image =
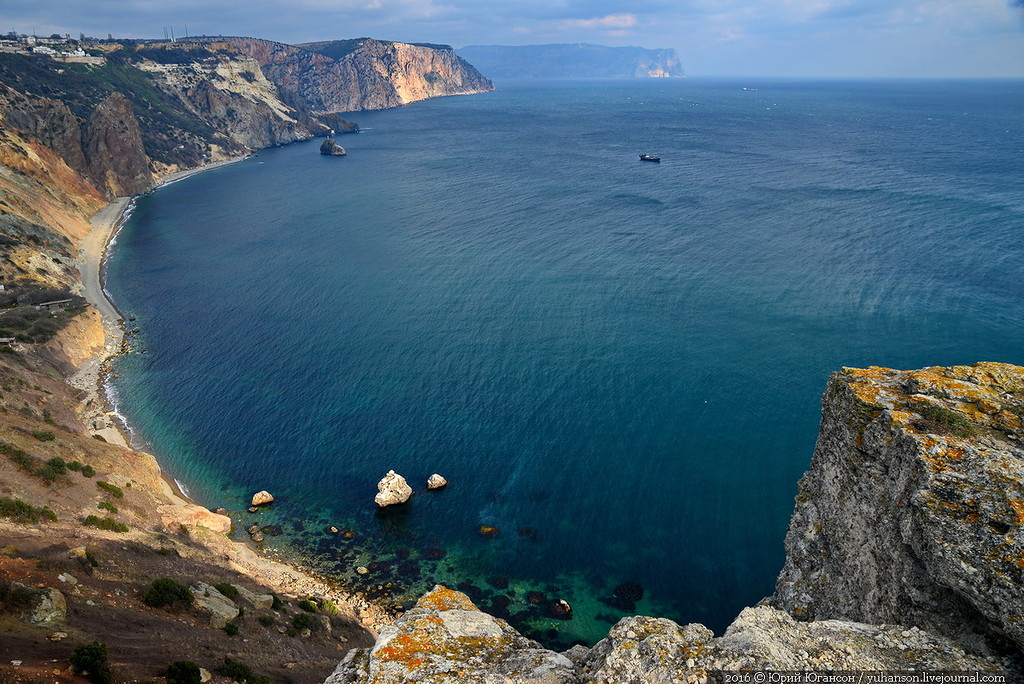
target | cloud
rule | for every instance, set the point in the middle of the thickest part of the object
(610, 21)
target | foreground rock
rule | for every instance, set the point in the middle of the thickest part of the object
(444, 638)
(913, 509)
(331, 148)
(222, 609)
(392, 490)
(42, 607)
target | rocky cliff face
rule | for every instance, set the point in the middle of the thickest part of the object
(913, 509)
(905, 552)
(112, 142)
(367, 73)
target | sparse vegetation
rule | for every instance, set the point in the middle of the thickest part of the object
(108, 524)
(240, 672)
(231, 628)
(74, 466)
(328, 606)
(22, 512)
(183, 672)
(91, 660)
(303, 621)
(107, 506)
(276, 603)
(307, 606)
(111, 489)
(167, 593)
(266, 620)
(227, 590)
(44, 435)
(87, 471)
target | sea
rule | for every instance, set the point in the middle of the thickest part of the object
(616, 364)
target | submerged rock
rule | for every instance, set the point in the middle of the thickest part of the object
(392, 490)
(435, 481)
(488, 531)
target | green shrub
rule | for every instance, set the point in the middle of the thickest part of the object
(91, 559)
(276, 603)
(44, 435)
(231, 628)
(87, 471)
(183, 672)
(48, 417)
(91, 660)
(21, 512)
(165, 592)
(266, 620)
(227, 590)
(106, 505)
(113, 490)
(329, 607)
(74, 466)
(307, 606)
(53, 469)
(303, 621)
(108, 524)
(240, 672)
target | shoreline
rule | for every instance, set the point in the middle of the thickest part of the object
(100, 416)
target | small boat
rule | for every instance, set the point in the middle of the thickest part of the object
(650, 157)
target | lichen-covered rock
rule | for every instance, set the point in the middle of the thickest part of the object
(913, 509)
(46, 606)
(392, 490)
(445, 638)
(222, 609)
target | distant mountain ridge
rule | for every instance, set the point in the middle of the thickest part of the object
(573, 60)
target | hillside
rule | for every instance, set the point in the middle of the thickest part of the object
(576, 60)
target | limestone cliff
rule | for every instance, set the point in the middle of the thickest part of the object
(347, 76)
(905, 552)
(913, 509)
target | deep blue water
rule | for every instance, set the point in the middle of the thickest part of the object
(617, 363)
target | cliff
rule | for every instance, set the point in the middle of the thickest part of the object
(348, 76)
(904, 553)
(577, 60)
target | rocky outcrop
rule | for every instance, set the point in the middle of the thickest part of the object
(575, 60)
(367, 74)
(913, 509)
(331, 148)
(222, 609)
(392, 490)
(112, 142)
(445, 638)
(172, 517)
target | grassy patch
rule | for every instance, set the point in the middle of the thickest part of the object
(44, 435)
(940, 420)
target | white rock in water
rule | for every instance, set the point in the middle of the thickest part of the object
(435, 481)
(260, 498)
(393, 489)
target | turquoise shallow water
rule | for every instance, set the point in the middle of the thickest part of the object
(616, 363)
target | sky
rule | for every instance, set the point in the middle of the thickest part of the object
(770, 38)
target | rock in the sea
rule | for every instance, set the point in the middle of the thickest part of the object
(331, 148)
(560, 609)
(435, 481)
(222, 609)
(262, 498)
(392, 490)
(488, 531)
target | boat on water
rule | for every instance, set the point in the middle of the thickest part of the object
(650, 157)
